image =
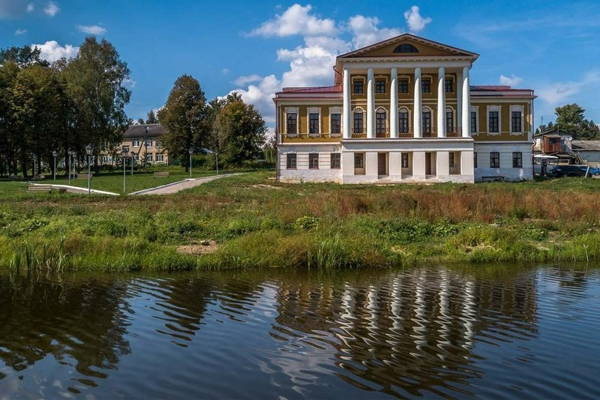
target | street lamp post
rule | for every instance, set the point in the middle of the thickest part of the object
(124, 157)
(70, 163)
(54, 154)
(88, 150)
(191, 152)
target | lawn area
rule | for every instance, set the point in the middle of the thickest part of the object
(250, 221)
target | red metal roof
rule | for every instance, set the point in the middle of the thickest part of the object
(316, 89)
(496, 88)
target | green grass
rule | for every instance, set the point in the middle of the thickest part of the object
(260, 223)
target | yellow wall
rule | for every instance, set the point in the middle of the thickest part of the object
(505, 121)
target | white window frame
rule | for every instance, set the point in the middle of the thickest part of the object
(487, 121)
(313, 110)
(520, 108)
(336, 110)
(135, 142)
(362, 110)
(387, 120)
(409, 119)
(477, 128)
(291, 110)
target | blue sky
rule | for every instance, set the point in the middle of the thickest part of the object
(258, 47)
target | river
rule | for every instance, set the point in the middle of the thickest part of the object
(486, 332)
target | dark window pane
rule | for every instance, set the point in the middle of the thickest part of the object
(336, 160)
(292, 123)
(380, 122)
(427, 122)
(473, 122)
(358, 87)
(313, 119)
(291, 161)
(475, 159)
(494, 123)
(517, 159)
(494, 159)
(449, 85)
(406, 48)
(358, 122)
(336, 123)
(403, 121)
(403, 85)
(449, 121)
(313, 160)
(379, 86)
(516, 121)
(426, 85)
(404, 160)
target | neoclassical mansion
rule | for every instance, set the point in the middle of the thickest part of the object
(404, 110)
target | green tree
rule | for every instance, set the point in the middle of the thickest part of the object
(151, 119)
(241, 129)
(570, 118)
(22, 56)
(185, 118)
(95, 82)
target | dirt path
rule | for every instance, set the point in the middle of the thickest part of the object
(181, 185)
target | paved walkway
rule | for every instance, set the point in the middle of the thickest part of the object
(175, 187)
(74, 189)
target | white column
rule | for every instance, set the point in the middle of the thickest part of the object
(370, 103)
(466, 102)
(459, 102)
(441, 106)
(346, 109)
(394, 103)
(417, 105)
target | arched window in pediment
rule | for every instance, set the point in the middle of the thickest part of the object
(406, 48)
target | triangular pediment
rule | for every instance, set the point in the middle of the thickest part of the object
(407, 45)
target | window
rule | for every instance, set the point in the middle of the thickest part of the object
(494, 121)
(451, 162)
(291, 161)
(292, 123)
(149, 157)
(404, 160)
(403, 85)
(427, 122)
(403, 120)
(517, 159)
(336, 123)
(474, 159)
(494, 159)
(449, 121)
(516, 121)
(148, 143)
(358, 121)
(379, 86)
(380, 120)
(473, 121)
(449, 85)
(313, 123)
(336, 161)
(406, 48)
(125, 149)
(359, 163)
(426, 85)
(313, 160)
(135, 142)
(358, 86)
(159, 157)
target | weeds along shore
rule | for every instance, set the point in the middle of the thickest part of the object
(254, 222)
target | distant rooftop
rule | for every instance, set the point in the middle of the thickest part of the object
(154, 130)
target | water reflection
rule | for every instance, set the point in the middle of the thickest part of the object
(423, 331)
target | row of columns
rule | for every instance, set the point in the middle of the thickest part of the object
(463, 103)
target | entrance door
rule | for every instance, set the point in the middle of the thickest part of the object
(382, 165)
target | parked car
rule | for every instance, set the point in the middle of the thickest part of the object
(573, 170)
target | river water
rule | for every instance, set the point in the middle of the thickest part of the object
(486, 332)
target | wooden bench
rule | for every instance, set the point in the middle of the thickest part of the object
(161, 173)
(492, 179)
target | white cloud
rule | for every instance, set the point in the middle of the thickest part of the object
(415, 22)
(51, 51)
(225, 71)
(20, 32)
(246, 79)
(260, 95)
(296, 20)
(365, 31)
(512, 80)
(92, 29)
(30, 7)
(559, 92)
(129, 83)
(51, 9)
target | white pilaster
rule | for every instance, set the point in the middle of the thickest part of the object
(394, 103)
(417, 105)
(466, 102)
(370, 103)
(459, 102)
(346, 109)
(441, 103)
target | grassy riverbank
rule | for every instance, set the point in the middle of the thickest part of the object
(258, 223)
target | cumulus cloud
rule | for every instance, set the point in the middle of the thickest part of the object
(296, 20)
(30, 7)
(512, 80)
(365, 31)
(415, 22)
(92, 29)
(559, 92)
(51, 9)
(20, 32)
(51, 51)
(311, 63)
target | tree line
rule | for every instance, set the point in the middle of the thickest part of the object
(571, 119)
(63, 107)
